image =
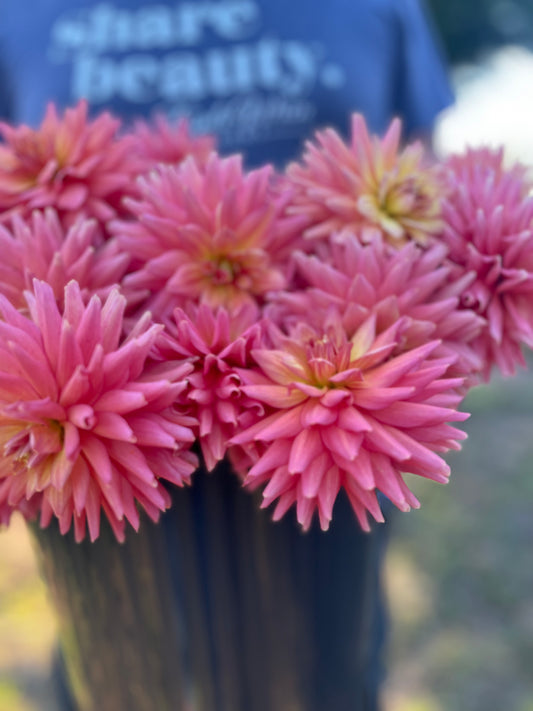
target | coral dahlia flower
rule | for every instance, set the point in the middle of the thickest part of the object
(41, 247)
(489, 232)
(75, 165)
(346, 414)
(367, 186)
(216, 344)
(87, 424)
(214, 235)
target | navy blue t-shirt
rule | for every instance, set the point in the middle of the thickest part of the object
(260, 74)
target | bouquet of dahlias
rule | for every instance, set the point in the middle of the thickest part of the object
(162, 306)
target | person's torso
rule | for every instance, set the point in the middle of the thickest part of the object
(260, 75)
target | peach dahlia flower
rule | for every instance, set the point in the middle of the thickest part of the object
(87, 423)
(41, 247)
(346, 414)
(215, 235)
(216, 343)
(367, 185)
(78, 166)
(489, 233)
(164, 142)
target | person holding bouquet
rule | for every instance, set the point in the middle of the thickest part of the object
(261, 77)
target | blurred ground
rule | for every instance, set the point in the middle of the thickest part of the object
(27, 627)
(460, 570)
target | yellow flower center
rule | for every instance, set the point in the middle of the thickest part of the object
(223, 271)
(30, 445)
(325, 359)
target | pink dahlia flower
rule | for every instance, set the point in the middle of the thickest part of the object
(41, 247)
(216, 344)
(362, 279)
(214, 235)
(77, 166)
(489, 232)
(346, 414)
(162, 142)
(367, 186)
(87, 424)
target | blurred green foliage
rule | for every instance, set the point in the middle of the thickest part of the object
(12, 699)
(471, 27)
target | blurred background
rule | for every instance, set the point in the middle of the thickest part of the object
(460, 571)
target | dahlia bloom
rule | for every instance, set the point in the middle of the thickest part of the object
(489, 232)
(346, 413)
(41, 247)
(87, 424)
(214, 235)
(216, 344)
(162, 142)
(367, 186)
(361, 279)
(77, 166)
